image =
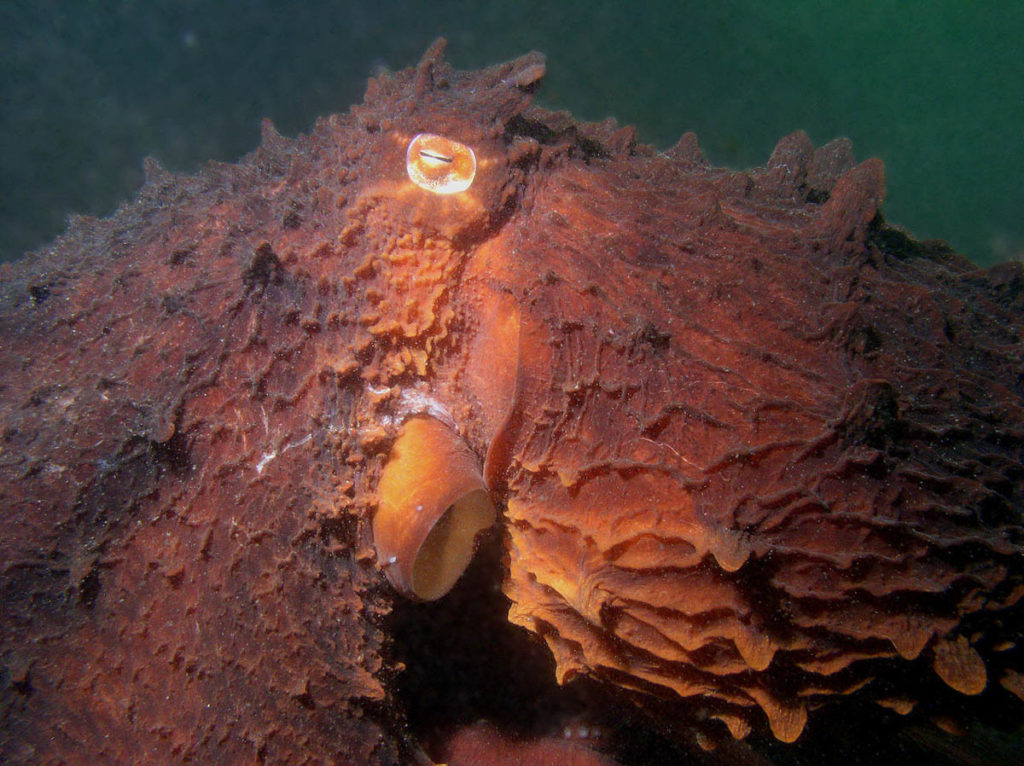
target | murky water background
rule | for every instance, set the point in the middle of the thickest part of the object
(936, 88)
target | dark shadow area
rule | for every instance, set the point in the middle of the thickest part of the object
(465, 663)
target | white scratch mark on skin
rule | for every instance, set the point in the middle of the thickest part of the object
(268, 456)
(304, 440)
(670, 448)
(416, 403)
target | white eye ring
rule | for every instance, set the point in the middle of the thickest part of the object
(440, 165)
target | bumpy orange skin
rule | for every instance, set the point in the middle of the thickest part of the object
(753, 447)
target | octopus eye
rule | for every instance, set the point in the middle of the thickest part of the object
(440, 165)
(433, 503)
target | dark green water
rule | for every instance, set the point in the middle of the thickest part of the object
(936, 89)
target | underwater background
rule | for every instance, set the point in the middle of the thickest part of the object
(936, 89)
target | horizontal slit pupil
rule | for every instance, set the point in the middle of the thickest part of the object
(435, 156)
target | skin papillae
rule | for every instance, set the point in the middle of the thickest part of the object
(752, 448)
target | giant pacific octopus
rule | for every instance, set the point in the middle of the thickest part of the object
(748, 447)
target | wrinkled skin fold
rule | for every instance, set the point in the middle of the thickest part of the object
(751, 447)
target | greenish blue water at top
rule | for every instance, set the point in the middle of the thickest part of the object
(936, 89)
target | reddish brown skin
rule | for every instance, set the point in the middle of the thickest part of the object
(774, 428)
(198, 395)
